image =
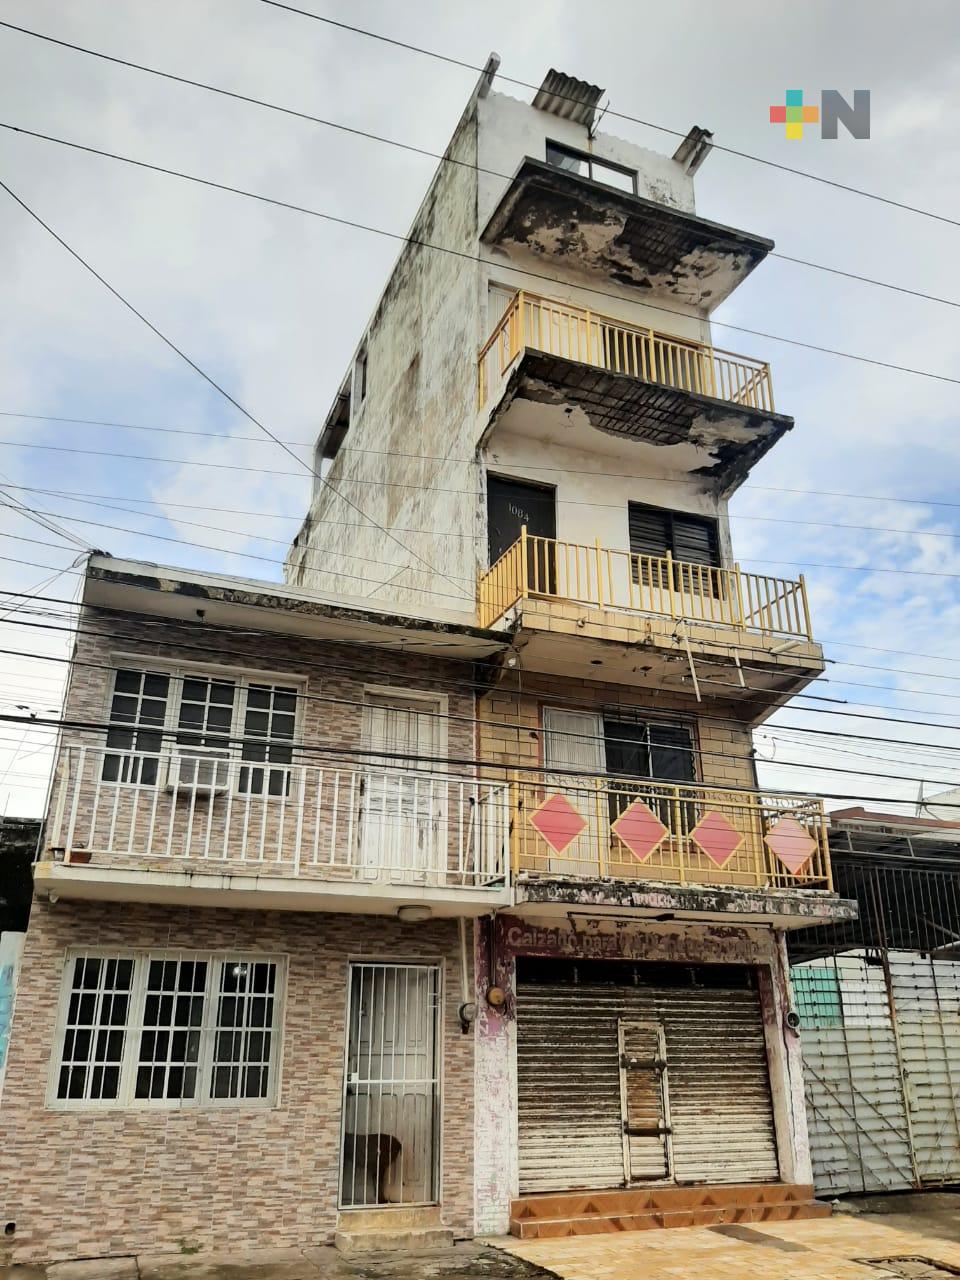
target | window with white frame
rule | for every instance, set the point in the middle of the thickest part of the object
(190, 1029)
(187, 728)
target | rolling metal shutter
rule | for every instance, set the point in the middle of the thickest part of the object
(569, 1087)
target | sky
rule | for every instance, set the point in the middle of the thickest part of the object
(271, 302)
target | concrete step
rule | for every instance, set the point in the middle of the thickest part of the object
(401, 1239)
(592, 1213)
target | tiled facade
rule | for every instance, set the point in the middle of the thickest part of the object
(511, 722)
(150, 1178)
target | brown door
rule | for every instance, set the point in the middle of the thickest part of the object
(644, 1101)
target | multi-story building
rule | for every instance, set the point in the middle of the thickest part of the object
(431, 901)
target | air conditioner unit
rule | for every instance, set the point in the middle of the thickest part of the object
(204, 769)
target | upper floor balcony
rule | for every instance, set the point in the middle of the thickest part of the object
(196, 826)
(631, 382)
(185, 827)
(602, 613)
(607, 844)
(570, 216)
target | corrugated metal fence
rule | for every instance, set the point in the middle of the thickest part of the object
(881, 1030)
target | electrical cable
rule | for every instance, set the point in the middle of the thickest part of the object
(501, 266)
(619, 115)
(213, 383)
(677, 133)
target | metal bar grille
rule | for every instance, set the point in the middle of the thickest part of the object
(391, 1086)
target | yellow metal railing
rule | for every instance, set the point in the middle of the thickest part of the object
(606, 579)
(695, 834)
(574, 333)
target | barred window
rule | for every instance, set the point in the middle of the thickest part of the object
(188, 1029)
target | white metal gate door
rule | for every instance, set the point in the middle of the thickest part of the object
(644, 1101)
(926, 1000)
(857, 1114)
(403, 808)
(391, 1086)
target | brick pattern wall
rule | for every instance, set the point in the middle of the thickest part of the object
(298, 836)
(82, 1183)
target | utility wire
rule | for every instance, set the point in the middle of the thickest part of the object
(619, 115)
(112, 505)
(736, 688)
(501, 266)
(794, 564)
(429, 762)
(447, 459)
(441, 157)
(216, 385)
(327, 666)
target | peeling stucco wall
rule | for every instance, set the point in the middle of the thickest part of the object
(421, 401)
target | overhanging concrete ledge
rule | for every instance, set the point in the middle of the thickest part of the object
(56, 880)
(780, 908)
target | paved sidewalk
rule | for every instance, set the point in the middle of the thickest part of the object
(468, 1261)
(844, 1247)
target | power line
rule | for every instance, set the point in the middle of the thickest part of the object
(214, 384)
(212, 435)
(501, 266)
(220, 651)
(441, 157)
(421, 645)
(794, 564)
(619, 115)
(497, 769)
(249, 555)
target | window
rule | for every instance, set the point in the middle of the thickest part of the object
(139, 698)
(190, 1029)
(360, 379)
(690, 540)
(271, 712)
(193, 721)
(588, 166)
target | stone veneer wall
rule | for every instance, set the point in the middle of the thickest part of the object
(101, 1182)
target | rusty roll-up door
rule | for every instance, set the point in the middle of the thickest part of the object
(720, 1106)
(569, 1095)
(568, 1078)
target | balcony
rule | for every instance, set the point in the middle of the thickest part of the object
(177, 827)
(632, 382)
(672, 848)
(600, 614)
(600, 578)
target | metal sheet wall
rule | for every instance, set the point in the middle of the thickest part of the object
(570, 1127)
(881, 1070)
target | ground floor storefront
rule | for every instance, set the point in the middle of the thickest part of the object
(181, 1079)
(633, 1056)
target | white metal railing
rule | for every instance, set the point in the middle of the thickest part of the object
(369, 823)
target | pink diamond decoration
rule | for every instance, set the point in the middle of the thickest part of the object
(718, 839)
(791, 842)
(558, 821)
(640, 829)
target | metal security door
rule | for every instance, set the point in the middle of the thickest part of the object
(402, 827)
(391, 1086)
(644, 1101)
